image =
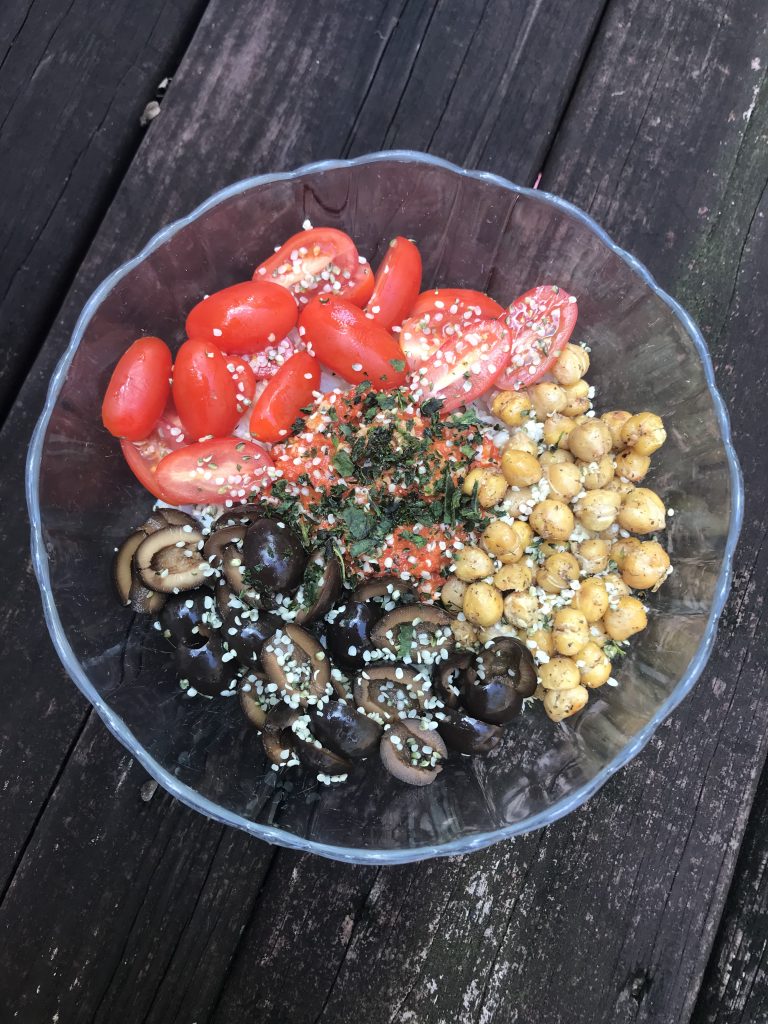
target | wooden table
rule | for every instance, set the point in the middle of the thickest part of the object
(650, 904)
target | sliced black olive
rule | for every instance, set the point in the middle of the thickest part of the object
(506, 675)
(217, 543)
(344, 730)
(175, 517)
(155, 521)
(169, 560)
(204, 668)
(391, 588)
(403, 754)
(390, 691)
(247, 630)
(415, 629)
(242, 516)
(320, 587)
(253, 700)
(348, 632)
(228, 599)
(277, 737)
(297, 664)
(273, 557)
(451, 675)
(315, 756)
(186, 620)
(144, 600)
(466, 734)
(122, 565)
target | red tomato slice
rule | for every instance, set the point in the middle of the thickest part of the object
(215, 471)
(454, 303)
(266, 363)
(280, 403)
(466, 366)
(440, 315)
(311, 262)
(541, 322)
(245, 317)
(348, 342)
(204, 392)
(244, 380)
(144, 456)
(138, 390)
(359, 287)
(398, 280)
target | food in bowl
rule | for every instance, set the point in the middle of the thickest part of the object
(388, 520)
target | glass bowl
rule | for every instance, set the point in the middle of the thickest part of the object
(475, 230)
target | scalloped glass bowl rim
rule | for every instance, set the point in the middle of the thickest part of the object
(275, 835)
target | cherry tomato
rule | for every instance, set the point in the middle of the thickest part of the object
(466, 366)
(398, 280)
(541, 322)
(215, 471)
(279, 405)
(138, 389)
(313, 261)
(144, 456)
(359, 287)
(346, 341)
(204, 392)
(440, 314)
(266, 363)
(245, 317)
(245, 381)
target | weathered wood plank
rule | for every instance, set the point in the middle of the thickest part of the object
(74, 80)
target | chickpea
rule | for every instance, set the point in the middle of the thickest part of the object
(572, 363)
(626, 619)
(564, 480)
(559, 674)
(645, 566)
(520, 609)
(632, 465)
(491, 486)
(511, 407)
(620, 486)
(546, 398)
(560, 704)
(592, 555)
(483, 604)
(521, 442)
(577, 399)
(452, 594)
(598, 509)
(552, 520)
(590, 441)
(570, 632)
(520, 469)
(615, 420)
(543, 640)
(515, 576)
(502, 540)
(598, 474)
(642, 511)
(621, 548)
(524, 532)
(473, 564)
(594, 665)
(597, 634)
(644, 432)
(464, 633)
(557, 572)
(615, 588)
(518, 501)
(555, 457)
(557, 430)
(591, 599)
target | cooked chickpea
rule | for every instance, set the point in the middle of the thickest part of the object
(511, 407)
(590, 441)
(502, 540)
(626, 619)
(577, 398)
(557, 430)
(592, 555)
(464, 633)
(572, 363)
(615, 587)
(520, 609)
(557, 572)
(621, 548)
(591, 599)
(632, 465)
(546, 398)
(645, 566)
(555, 457)
(597, 634)
(560, 704)
(518, 501)
(520, 469)
(473, 564)
(615, 420)
(515, 576)
(559, 674)
(483, 604)
(521, 442)
(620, 486)
(552, 520)
(598, 509)
(564, 480)
(644, 432)
(570, 631)
(543, 640)
(524, 532)
(594, 665)
(491, 486)
(452, 594)
(597, 474)
(642, 511)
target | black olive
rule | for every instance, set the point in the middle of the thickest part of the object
(451, 676)
(252, 700)
(506, 675)
(297, 664)
(244, 515)
(320, 587)
(169, 560)
(273, 557)
(252, 629)
(403, 754)
(466, 734)
(204, 669)
(345, 730)
(419, 628)
(277, 737)
(386, 588)
(320, 758)
(186, 620)
(348, 635)
(389, 691)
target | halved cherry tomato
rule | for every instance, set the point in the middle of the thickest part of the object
(465, 367)
(398, 280)
(266, 363)
(314, 261)
(359, 287)
(204, 392)
(245, 381)
(454, 303)
(280, 403)
(215, 471)
(541, 322)
(138, 389)
(346, 341)
(144, 456)
(245, 317)
(439, 315)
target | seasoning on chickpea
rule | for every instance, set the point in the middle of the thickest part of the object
(632, 466)
(597, 474)
(622, 547)
(557, 572)
(592, 555)
(615, 420)
(516, 576)
(522, 442)
(590, 441)
(483, 604)
(511, 407)
(518, 501)
(570, 631)
(642, 511)
(646, 566)
(552, 458)
(626, 619)
(591, 599)
(594, 665)
(491, 486)
(564, 480)
(598, 509)
(524, 532)
(520, 609)
(464, 633)
(571, 365)
(546, 398)
(560, 704)
(452, 594)
(559, 673)
(520, 469)
(541, 640)
(557, 430)
(644, 432)
(503, 541)
(473, 564)
(552, 520)
(577, 398)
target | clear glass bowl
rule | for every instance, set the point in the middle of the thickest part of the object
(475, 230)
